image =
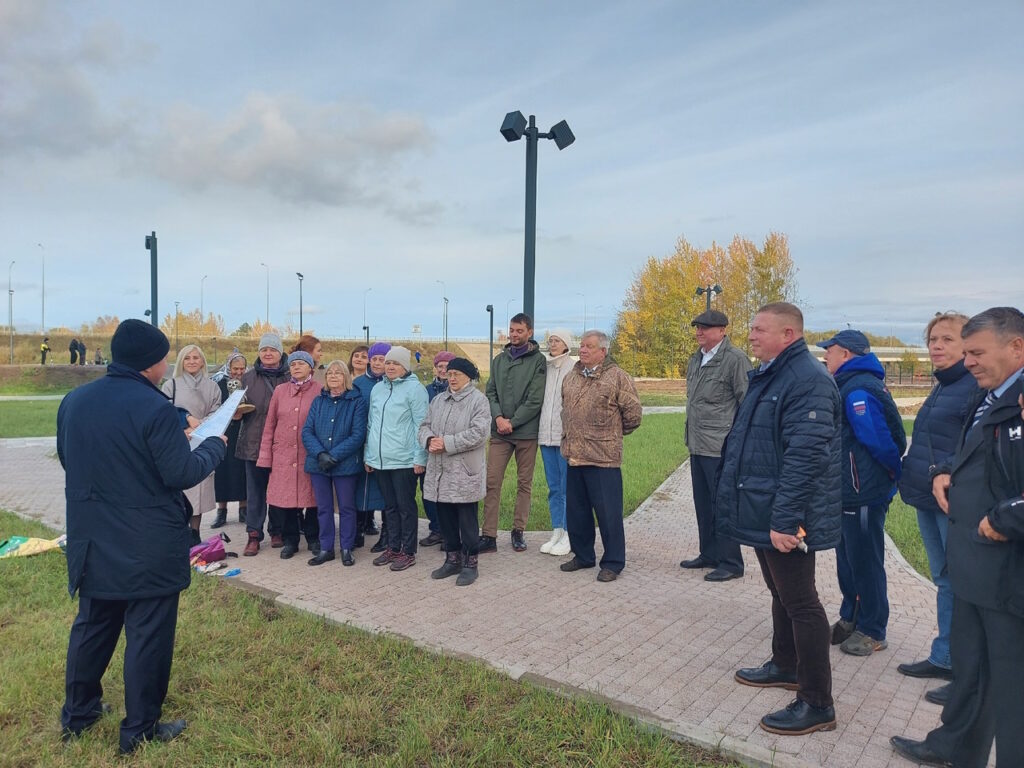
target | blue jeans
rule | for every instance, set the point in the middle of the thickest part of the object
(934, 526)
(860, 565)
(555, 467)
(430, 509)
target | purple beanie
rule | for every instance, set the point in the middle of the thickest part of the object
(443, 356)
(379, 348)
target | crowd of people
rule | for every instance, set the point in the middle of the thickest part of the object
(790, 457)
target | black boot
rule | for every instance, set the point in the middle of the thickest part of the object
(369, 527)
(382, 542)
(452, 565)
(468, 574)
(194, 537)
(221, 519)
(241, 514)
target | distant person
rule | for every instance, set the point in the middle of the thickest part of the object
(455, 436)
(937, 429)
(418, 356)
(99, 356)
(515, 390)
(717, 376)
(780, 489)
(229, 479)
(44, 348)
(190, 388)
(398, 405)
(283, 454)
(434, 388)
(358, 360)
(980, 490)
(549, 437)
(126, 461)
(873, 441)
(259, 382)
(334, 435)
(82, 352)
(599, 406)
(73, 350)
(368, 494)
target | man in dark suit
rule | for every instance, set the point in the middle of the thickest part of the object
(981, 491)
(126, 461)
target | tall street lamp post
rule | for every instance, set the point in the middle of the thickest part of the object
(584, 309)
(299, 275)
(490, 352)
(266, 317)
(10, 308)
(177, 347)
(444, 312)
(202, 287)
(513, 128)
(507, 315)
(42, 312)
(151, 247)
(708, 289)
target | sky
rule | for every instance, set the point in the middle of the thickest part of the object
(358, 144)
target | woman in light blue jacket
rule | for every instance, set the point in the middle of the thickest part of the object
(398, 405)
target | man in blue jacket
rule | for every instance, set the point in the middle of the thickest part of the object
(873, 445)
(126, 461)
(779, 492)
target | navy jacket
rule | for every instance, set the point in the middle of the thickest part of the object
(780, 465)
(937, 431)
(336, 425)
(435, 388)
(126, 461)
(988, 480)
(873, 437)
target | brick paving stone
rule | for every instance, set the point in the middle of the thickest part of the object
(659, 639)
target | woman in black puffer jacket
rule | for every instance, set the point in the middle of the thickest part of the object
(936, 434)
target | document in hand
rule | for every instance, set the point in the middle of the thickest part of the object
(217, 423)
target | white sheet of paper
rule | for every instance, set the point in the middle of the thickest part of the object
(216, 424)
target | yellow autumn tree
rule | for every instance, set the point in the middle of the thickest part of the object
(653, 336)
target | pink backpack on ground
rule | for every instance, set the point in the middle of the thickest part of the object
(210, 551)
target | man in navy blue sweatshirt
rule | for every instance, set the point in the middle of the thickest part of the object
(873, 444)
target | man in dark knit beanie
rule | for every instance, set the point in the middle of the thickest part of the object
(126, 462)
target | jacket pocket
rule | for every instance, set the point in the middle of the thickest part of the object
(755, 497)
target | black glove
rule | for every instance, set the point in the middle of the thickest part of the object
(325, 461)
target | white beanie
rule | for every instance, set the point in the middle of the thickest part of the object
(399, 355)
(563, 333)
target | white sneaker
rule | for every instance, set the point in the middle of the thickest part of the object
(562, 546)
(556, 536)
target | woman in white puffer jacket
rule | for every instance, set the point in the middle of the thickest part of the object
(550, 437)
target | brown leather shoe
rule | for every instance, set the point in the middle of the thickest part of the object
(253, 545)
(276, 541)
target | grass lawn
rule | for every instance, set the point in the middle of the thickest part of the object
(901, 525)
(650, 455)
(28, 418)
(262, 684)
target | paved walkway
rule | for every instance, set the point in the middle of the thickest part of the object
(660, 643)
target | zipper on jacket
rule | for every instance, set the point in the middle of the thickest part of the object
(380, 432)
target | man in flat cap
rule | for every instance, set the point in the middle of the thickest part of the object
(874, 442)
(716, 381)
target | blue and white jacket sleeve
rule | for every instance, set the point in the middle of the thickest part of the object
(866, 418)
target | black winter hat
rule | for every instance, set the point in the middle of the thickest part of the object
(138, 345)
(465, 366)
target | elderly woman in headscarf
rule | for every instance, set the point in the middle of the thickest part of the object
(289, 490)
(229, 480)
(455, 435)
(333, 436)
(368, 493)
(190, 388)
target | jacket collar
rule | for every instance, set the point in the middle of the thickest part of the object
(120, 371)
(796, 348)
(462, 394)
(952, 374)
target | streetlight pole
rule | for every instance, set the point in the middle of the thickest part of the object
(444, 310)
(507, 316)
(584, 309)
(708, 289)
(513, 128)
(202, 316)
(10, 308)
(299, 275)
(177, 347)
(151, 247)
(490, 352)
(266, 318)
(445, 323)
(42, 313)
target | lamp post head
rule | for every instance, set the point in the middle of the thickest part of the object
(490, 308)
(716, 288)
(514, 126)
(562, 134)
(299, 275)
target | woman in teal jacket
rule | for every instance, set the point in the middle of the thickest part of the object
(398, 405)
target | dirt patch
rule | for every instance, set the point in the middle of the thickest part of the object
(667, 386)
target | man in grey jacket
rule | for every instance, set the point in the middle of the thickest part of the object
(716, 381)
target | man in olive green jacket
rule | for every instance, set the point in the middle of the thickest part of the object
(716, 381)
(515, 390)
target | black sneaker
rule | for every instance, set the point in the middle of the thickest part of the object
(432, 539)
(487, 544)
